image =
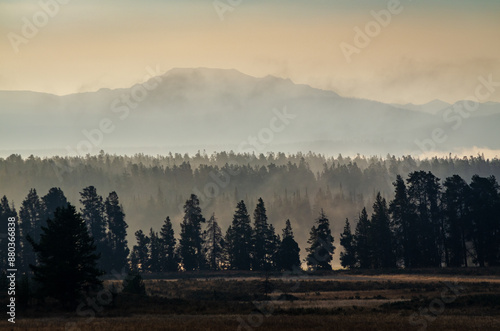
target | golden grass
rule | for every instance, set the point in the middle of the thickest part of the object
(321, 304)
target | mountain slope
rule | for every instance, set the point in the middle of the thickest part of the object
(191, 109)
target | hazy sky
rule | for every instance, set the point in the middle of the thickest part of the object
(429, 49)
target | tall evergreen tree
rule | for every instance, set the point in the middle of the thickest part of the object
(485, 206)
(321, 247)
(213, 244)
(154, 264)
(362, 241)
(402, 212)
(140, 253)
(273, 245)
(348, 256)
(117, 233)
(456, 215)
(261, 237)
(93, 215)
(168, 257)
(423, 192)
(289, 252)
(239, 239)
(30, 214)
(191, 241)
(139, 258)
(381, 236)
(67, 267)
(54, 199)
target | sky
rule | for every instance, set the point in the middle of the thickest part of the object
(415, 52)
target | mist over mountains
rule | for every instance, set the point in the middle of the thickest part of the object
(186, 110)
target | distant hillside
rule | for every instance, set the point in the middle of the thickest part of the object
(186, 110)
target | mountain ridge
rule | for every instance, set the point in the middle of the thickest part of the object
(224, 107)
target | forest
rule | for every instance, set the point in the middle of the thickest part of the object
(293, 186)
(227, 237)
(426, 225)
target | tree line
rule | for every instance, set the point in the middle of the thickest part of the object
(294, 186)
(104, 219)
(245, 245)
(428, 224)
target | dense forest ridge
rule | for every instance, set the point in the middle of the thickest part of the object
(294, 187)
(426, 225)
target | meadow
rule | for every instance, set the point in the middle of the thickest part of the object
(423, 300)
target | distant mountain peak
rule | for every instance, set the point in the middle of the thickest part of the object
(225, 107)
(212, 72)
(431, 107)
(437, 102)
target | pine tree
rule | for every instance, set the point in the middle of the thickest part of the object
(93, 215)
(239, 239)
(229, 251)
(423, 192)
(321, 245)
(273, 245)
(140, 253)
(404, 224)
(457, 216)
(54, 199)
(381, 236)
(261, 238)
(289, 252)
(154, 248)
(168, 257)
(190, 244)
(348, 256)
(30, 215)
(362, 241)
(117, 234)
(67, 267)
(213, 244)
(484, 205)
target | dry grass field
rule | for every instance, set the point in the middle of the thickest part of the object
(327, 302)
